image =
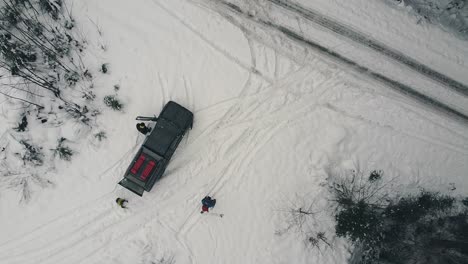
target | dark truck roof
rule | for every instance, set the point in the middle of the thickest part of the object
(151, 160)
(177, 114)
(162, 136)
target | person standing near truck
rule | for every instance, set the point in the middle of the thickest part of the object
(142, 128)
(121, 202)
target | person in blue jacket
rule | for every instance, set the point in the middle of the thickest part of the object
(207, 203)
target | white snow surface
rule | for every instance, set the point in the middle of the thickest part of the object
(271, 120)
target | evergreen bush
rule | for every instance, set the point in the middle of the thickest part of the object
(32, 154)
(113, 102)
(426, 227)
(62, 151)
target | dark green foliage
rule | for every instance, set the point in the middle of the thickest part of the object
(359, 222)
(375, 175)
(410, 209)
(63, 152)
(112, 102)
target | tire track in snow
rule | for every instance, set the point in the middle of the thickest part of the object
(178, 239)
(395, 85)
(60, 236)
(428, 140)
(360, 38)
(189, 222)
(256, 134)
(253, 138)
(249, 140)
(231, 113)
(38, 229)
(95, 237)
(243, 93)
(87, 258)
(100, 236)
(111, 231)
(141, 213)
(431, 140)
(213, 45)
(50, 251)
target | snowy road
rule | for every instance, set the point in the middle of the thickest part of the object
(345, 31)
(441, 101)
(276, 105)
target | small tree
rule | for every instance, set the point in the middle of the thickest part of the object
(101, 135)
(32, 154)
(113, 102)
(301, 217)
(62, 151)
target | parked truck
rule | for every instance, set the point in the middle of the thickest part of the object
(154, 155)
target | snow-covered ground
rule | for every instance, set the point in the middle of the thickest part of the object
(272, 116)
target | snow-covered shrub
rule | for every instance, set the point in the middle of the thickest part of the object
(26, 183)
(22, 125)
(41, 48)
(316, 239)
(52, 7)
(105, 68)
(31, 154)
(450, 14)
(113, 102)
(165, 260)
(301, 217)
(45, 82)
(62, 151)
(101, 135)
(426, 227)
(375, 175)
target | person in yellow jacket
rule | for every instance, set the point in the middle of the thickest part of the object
(121, 202)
